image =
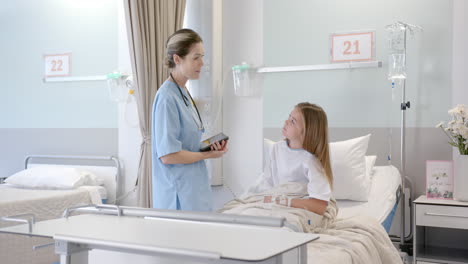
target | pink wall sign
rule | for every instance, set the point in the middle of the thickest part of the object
(357, 46)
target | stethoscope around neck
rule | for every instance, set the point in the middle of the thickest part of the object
(186, 101)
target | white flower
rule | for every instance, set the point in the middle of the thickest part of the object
(457, 128)
(458, 110)
(463, 131)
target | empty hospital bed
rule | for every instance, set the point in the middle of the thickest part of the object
(37, 190)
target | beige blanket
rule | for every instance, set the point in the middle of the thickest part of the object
(16, 249)
(298, 219)
(351, 240)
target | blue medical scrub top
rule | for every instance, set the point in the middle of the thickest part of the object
(177, 186)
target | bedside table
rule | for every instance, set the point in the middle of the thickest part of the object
(440, 231)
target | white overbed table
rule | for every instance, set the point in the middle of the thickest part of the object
(170, 240)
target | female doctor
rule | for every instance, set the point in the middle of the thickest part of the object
(180, 177)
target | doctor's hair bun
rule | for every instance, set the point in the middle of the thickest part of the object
(180, 43)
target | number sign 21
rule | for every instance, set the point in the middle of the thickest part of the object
(57, 64)
(357, 46)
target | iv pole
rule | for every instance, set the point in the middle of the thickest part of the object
(403, 106)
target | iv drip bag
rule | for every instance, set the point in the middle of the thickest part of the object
(396, 66)
(396, 34)
(397, 52)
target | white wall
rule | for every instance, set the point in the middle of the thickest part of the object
(460, 55)
(460, 58)
(242, 116)
(31, 29)
(357, 97)
(56, 118)
(129, 130)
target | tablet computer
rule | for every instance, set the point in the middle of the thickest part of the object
(206, 144)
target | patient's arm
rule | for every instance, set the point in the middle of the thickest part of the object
(310, 204)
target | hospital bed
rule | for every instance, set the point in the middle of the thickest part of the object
(384, 188)
(201, 237)
(47, 202)
(360, 232)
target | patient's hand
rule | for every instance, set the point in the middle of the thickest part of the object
(311, 204)
(267, 199)
(281, 200)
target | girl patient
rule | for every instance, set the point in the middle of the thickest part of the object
(303, 156)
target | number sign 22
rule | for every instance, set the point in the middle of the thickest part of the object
(358, 46)
(57, 64)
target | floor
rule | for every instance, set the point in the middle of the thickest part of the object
(404, 256)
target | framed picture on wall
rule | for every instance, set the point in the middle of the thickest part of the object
(439, 179)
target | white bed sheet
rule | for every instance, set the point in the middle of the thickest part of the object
(382, 196)
(11, 194)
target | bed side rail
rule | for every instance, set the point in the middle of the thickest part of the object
(178, 215)
(21, 218)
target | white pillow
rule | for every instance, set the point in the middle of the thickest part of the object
(52, 177)
(350, 180)
(370, 162)
(267, 147)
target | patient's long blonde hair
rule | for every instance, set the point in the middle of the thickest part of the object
(316, 135)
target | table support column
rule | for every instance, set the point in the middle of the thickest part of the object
(71, 253)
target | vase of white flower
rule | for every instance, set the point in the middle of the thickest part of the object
(457, 132)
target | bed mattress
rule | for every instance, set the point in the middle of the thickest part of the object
(382, 196)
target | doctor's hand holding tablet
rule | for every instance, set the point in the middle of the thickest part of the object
(217, 142)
